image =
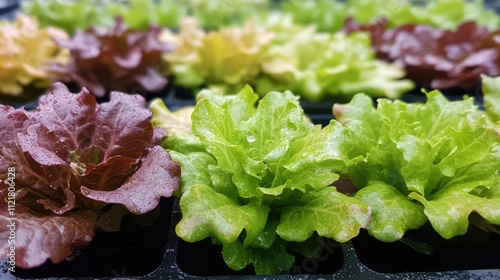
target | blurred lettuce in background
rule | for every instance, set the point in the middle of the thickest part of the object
(71, 15)
(67, 15)
(226, 58)
(329, 15)
(140, 14)
(277, 56)
(25, 53)
(115, 59)
(216, 14)
(319, 66)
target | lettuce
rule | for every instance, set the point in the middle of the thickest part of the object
(140, 14)
(447, 14)
(82, 14)
(346, 65)
(228, 58)
(262, 178)
(25, 52)
(72, 15)
(328, 16)
(491, 91)
(79, 167)
(435, 57)
(67, 15)
(325, 15)
(279, 56)
(117, 58)
(437, 161)
(223, 13)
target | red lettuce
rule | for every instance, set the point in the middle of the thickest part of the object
(118, 58)
(434, 57)
(78, 166)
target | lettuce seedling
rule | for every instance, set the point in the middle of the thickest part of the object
(258, 179)
(414, 163)
(77, 166)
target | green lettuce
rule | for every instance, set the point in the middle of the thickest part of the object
(447, 14)
(346, 65)
(140, 14)
(81, 14)
(414, 163)
(226, 59)
(262, 181)
(222, 13)
(67, 15)
(71, 15)
(491, 92)
(326, 15)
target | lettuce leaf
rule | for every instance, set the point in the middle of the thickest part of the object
(222, 13)
(116, 58)
(227, 58)
(328, 16)
(262, 179)
(325, 15)
(440, 159)
(491, 92)
(73, 157)
(346, 65)
(267, 261)
(24, 59)
(67, 15)
(455, 58)
(141, 14)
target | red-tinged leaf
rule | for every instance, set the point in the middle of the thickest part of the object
(115, 59)
(110, 174)
(91, 155)
(12, 122)
(158, 134)
(43, 152)
(70, 141)
(151, 44)
(90, 81)
(55, 237)
(131, 60)
(158, 176)
(43, 146)
(60, 208)
(27, 172)
(375, 29)
(71, 117)
(124, 126)
(86, 47)
(151, 80)
(434, 57)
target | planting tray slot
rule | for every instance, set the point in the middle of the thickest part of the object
(181, 260)
(133, 251)
(475, 250)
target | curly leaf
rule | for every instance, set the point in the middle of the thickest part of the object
(269, 261)
(207, 213)
(328, 212)
(392, 213)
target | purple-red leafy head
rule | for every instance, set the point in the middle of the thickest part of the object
(70, 158)
(116, 59)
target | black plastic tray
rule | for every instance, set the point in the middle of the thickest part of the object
(156, 253)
